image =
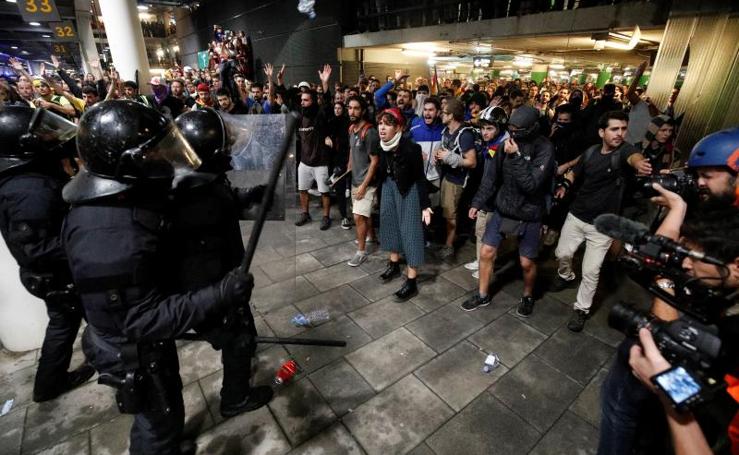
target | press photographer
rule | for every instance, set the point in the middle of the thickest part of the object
(633, 417)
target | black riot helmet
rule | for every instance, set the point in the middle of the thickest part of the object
(27, 133)
(206, 132)
(121, 144)
(496, 116)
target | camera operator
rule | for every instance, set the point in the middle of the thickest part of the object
(714, 234)
(626, 403)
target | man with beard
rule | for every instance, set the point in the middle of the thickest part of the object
(715, 162)
(600, 173)
(405, 104)
(364, 158)
(313, 152)
(523, 179)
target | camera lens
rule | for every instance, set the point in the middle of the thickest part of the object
(627, 319)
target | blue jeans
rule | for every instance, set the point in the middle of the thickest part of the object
(633, 420)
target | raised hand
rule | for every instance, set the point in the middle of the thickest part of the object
(268, 70)
(281, 73)
(15, 63)
(325, 74)
(55, 61)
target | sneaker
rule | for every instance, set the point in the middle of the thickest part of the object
(446, 251)
(474, 265)
(475, 302)
(367, 240)
(258, 397)
(577, 321)
(346, 224)
(476, 274)
(325, 223)
(525, 306)
(560, 284)
(357, 260)
(303, 219)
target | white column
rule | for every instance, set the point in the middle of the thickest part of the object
(88, 50)
(126, 40)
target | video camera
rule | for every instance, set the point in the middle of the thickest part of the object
(678, 182)
(693, 343)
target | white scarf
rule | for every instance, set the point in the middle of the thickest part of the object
(392, 143)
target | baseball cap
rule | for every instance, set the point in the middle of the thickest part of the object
(203, 87)
(304, 84)
(156, 80)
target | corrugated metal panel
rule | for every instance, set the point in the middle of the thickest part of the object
(678, 32)
(727, 107)
(713, 51)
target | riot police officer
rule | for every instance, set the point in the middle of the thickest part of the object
(206, 243)
(114, 238)
(32, 145)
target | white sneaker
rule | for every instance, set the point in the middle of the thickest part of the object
(474, 265)
(367, 240)
(357, 260)
(476, 274)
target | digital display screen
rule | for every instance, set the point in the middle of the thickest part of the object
(678, 384)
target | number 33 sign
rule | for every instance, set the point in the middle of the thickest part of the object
(63, 31)
(38, 10)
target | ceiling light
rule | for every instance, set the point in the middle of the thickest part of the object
(14, 47)
(143, 7)
(417, 53)
(35, 24)
(556, 66)
(12, 1)
(24, 52)
(523, 61)
(46, 36)
(431, 62)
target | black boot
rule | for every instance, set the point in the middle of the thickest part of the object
(392, 271)
(75, 378)
(408, 291)
(258, 397)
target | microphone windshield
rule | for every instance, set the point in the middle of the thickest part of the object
(620, 228)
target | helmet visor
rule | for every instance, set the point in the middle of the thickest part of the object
(50, 129)
(174, 149)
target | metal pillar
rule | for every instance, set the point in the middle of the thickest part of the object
(88, 49)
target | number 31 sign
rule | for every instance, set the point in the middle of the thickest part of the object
(38, 10)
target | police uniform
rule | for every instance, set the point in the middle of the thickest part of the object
(114, 236)
(31, 215)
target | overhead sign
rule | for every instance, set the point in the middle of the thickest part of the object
(38, 10)
(63, 31)
(482, 62)
(59, 49)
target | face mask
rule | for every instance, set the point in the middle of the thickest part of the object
(563, 125)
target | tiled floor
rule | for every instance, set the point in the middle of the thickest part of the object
(408, 381)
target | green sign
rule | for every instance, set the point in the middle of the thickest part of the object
(203, 59)
(603, 78)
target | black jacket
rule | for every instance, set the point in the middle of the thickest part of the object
(405, 164)
(522, 182)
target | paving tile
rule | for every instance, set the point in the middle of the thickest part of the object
(260, 278)
(341, 386)
(444, 327)
(456, 375)
(274, 296)
(264, 252)
(112, 438)
(374, 264)
(311, 358)
(335, 254)
(577, 355)
(76, 445)
(373, 289)
(597, 326)
(509, 338)
(303, 245)
(198, 359)
(18, 386)
(263, 330)
(389, 358)
(548, 316)
(461, 277)
(337, 301)
(333, 441)
(398, 419)
(301, 411)
(331, 277)
(384, 316)
(280, 321)
(569, 435)
(56, 420)
(435, 293)
(421, 449)
(10, 362)
(253, 433)
(197, 415)
(11, 431)
(283, 269)
(536, 392)
(588, 405)
(484, 427)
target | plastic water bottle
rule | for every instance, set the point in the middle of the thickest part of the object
(307, 7)
(311, 319)
(286, 372)
(491, 362)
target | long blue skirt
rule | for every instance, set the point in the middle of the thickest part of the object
(400, 223)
